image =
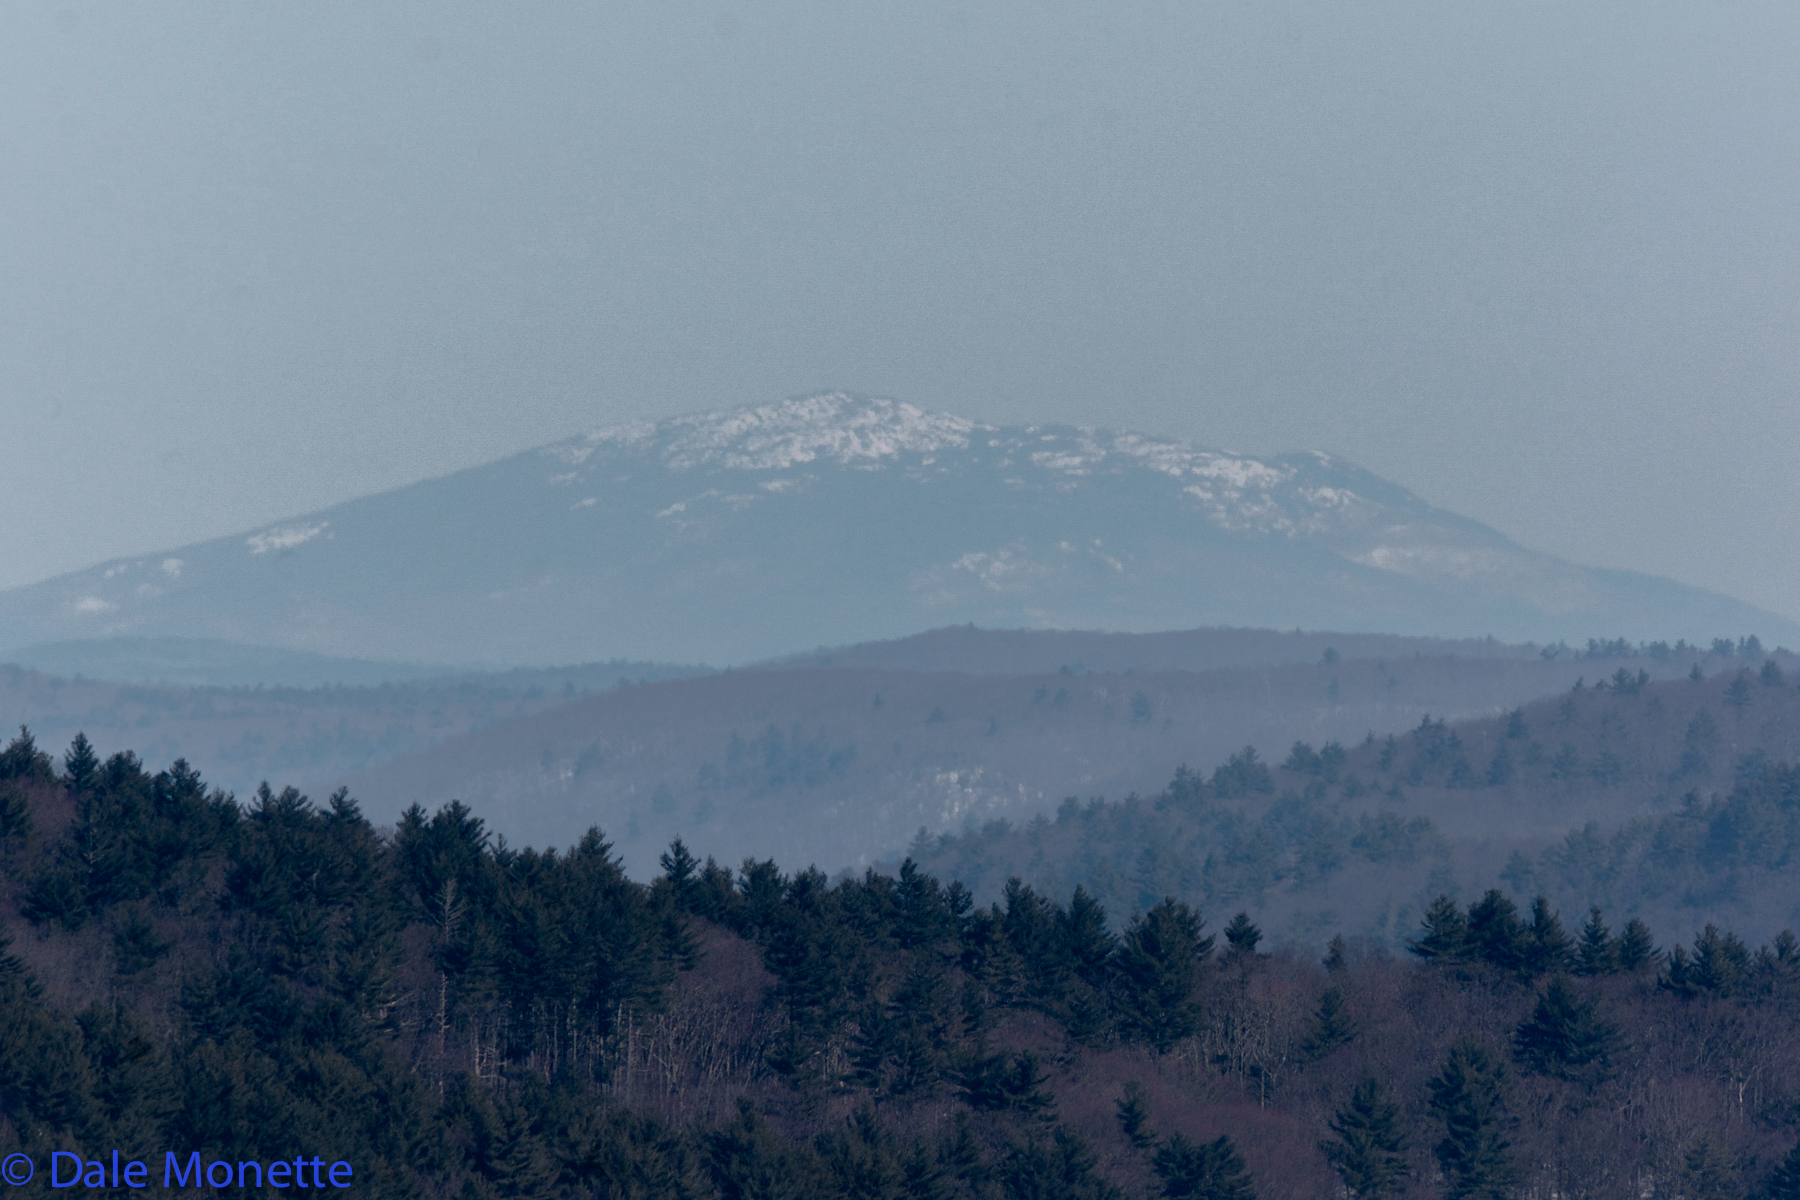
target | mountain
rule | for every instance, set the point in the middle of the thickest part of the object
(732, 536)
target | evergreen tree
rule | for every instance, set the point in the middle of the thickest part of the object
(860, 1159)
(1446, 933)
(680, 868)
(1500, 767)
(1086, 942)
(1566, 1037)
(1331, 1027)
(1496, 935)
(1596, 953)
(1369, 1154)
(21, 759)
(1784, 1181)
(749, 1162)
(1547, 946)
(1469, 1097)
(1202, 1171)
(1158, 966)
(80, 763)
(1336, 954)
(1134, 1115)
(1635, 949)
(1242, 936)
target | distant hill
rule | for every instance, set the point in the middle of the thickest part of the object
(206, 662)
(1645, 797)
(839, 767)
(1039, 651)
(238, 737)
(733, 536)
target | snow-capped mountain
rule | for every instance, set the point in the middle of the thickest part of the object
(735, 535)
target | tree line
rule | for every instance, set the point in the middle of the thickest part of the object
(456, 1016)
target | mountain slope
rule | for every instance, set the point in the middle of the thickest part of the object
(731, 536)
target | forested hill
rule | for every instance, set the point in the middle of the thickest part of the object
(451, 1016)
(1648, 798)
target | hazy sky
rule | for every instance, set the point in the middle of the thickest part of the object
(1540, 263)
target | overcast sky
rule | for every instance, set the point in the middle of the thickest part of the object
(1541, 264)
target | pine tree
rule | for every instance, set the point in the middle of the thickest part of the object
(1596, 953)
(1242, 936)
(23, 760)
(1566, 1037)
(1784, 1181)
(1086, 942)
(1158, 967)
(80, 763)
(1133, 1115)
(1446, 933)
(1547, 946)
(1205, 1171)
(1469, 1097)
(1369, 1154)
(1331, 1027)
(1635, 949)
(679, 868)
(1337, 954)
(1496, 935)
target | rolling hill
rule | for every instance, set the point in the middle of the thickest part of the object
(839, 766)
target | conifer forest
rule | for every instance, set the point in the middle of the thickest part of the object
(252, 978)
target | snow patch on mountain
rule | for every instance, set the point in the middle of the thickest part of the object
(284, 537)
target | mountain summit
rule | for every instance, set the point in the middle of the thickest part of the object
(735, 535)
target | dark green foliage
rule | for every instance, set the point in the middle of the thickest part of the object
(135, 835)
(136, 945)
(1468, 1096)
(1783, 1182)
(1445, 934)
(1242, 774)
(1337, 954)
(22, 760)
(1596, 953)
(1063, 1170)
(1548, 948)
(1719, 966)
(1005, 1081)
(1635, 949)
(1369, 1153)
(80, 763)
(1496, 935)
(1241, 936)
(1332, 1027)
(749, 1162)
(1202, 1171)
(1566, 1037)
(458, 1017)
(1158, 967)
(1134, 1116)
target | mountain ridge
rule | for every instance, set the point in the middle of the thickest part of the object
(744, 534)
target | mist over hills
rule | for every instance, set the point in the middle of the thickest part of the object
(1664, 800)
(840, 767)
(732, 536)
